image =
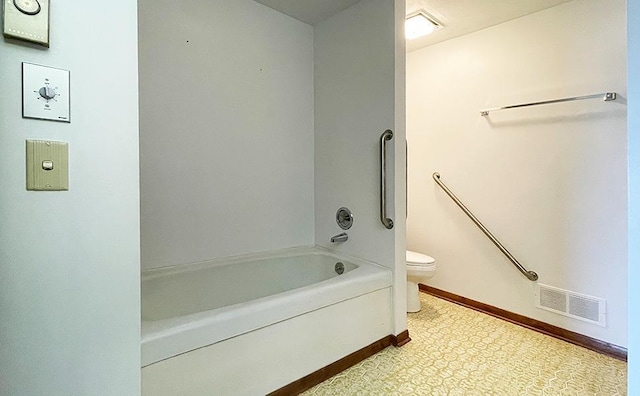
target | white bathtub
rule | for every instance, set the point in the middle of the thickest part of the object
(198, 306)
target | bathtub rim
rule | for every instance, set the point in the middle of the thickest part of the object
(165, 338)
(152, 273)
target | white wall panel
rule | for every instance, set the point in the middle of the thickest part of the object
(633, 26)
(355, 102)
(70, 261)
(226, 106)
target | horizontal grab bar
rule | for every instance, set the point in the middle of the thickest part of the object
(532, 276)
(607, 96)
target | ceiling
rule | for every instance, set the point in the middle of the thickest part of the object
(459, 17)
(309, 11)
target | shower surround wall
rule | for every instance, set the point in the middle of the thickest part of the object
(256, 128)
(359, 93)
(548, 181)
(226, 130)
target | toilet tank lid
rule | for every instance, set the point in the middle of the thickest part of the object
(419, 258)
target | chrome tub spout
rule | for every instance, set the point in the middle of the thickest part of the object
(339, 238)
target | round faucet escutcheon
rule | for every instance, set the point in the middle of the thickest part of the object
(344, 218)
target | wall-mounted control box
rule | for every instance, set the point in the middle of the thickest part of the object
(45, 93)
(47, 165)
(27, 20)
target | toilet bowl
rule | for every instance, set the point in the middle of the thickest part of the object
(420, 267)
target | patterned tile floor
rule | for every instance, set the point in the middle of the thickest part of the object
(458, 351)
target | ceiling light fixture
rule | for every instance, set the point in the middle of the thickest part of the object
(420, 24)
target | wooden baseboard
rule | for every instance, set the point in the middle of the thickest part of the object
(593, 344)
(401, 339)
(329, 371)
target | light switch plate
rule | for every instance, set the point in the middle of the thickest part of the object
(45, 93)
(47, 165)
(27, 20)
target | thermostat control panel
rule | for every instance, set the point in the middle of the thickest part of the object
(45, 93)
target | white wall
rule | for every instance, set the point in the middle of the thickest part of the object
(69, 261)
(226, 109)
(633, 45)
(548, 181)
(355, 102)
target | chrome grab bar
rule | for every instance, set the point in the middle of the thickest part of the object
(532, 276)
(607, 97)
(384, 138)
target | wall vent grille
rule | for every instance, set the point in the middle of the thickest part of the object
(574, 305)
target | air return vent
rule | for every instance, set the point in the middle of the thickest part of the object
(574, 305)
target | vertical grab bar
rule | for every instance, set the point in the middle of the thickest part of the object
(384, 138)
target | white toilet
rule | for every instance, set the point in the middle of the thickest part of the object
(420, 267)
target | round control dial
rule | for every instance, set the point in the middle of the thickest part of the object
(29, 7)
(47, 93)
